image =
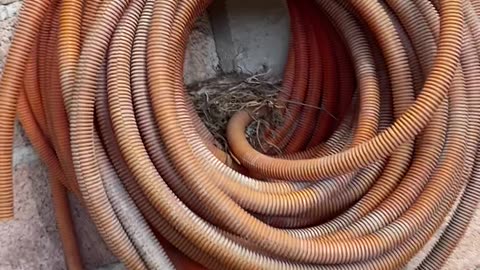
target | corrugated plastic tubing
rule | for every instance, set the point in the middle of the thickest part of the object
(379, 141)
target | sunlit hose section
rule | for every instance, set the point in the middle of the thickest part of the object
(28, 27)
(378, 144)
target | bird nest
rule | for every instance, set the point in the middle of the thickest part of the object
(218, 99)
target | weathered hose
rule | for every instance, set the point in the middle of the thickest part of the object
(379, 140)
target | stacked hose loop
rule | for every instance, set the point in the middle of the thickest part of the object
(361, 183)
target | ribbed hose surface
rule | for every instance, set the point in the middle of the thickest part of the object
(361, 183)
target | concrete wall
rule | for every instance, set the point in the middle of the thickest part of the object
(251, 35)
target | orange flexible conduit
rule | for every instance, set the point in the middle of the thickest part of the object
(378, 145)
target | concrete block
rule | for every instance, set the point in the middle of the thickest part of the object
(201, 60)
(6, 2)
(9, 10)
(116, 266)
(251, 36)
(8, 20)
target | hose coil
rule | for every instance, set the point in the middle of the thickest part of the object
(363, 183)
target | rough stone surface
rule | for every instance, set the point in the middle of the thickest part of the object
(201, 60)
(9, 10)
(6, 2)
(8, 19)
(116, 266)
(465, 257)
(30, 241)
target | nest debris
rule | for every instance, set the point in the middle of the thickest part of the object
(217, 99)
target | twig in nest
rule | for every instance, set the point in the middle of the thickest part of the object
(218, 99)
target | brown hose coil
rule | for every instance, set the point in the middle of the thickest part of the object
(363, 183)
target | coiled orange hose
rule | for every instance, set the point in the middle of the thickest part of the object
(380, 138)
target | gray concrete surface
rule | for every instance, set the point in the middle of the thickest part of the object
(201, 59)
(251, 35)
(31, 240)
(8, 17)
(6, 2)
(115, 266)
(248, 35)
